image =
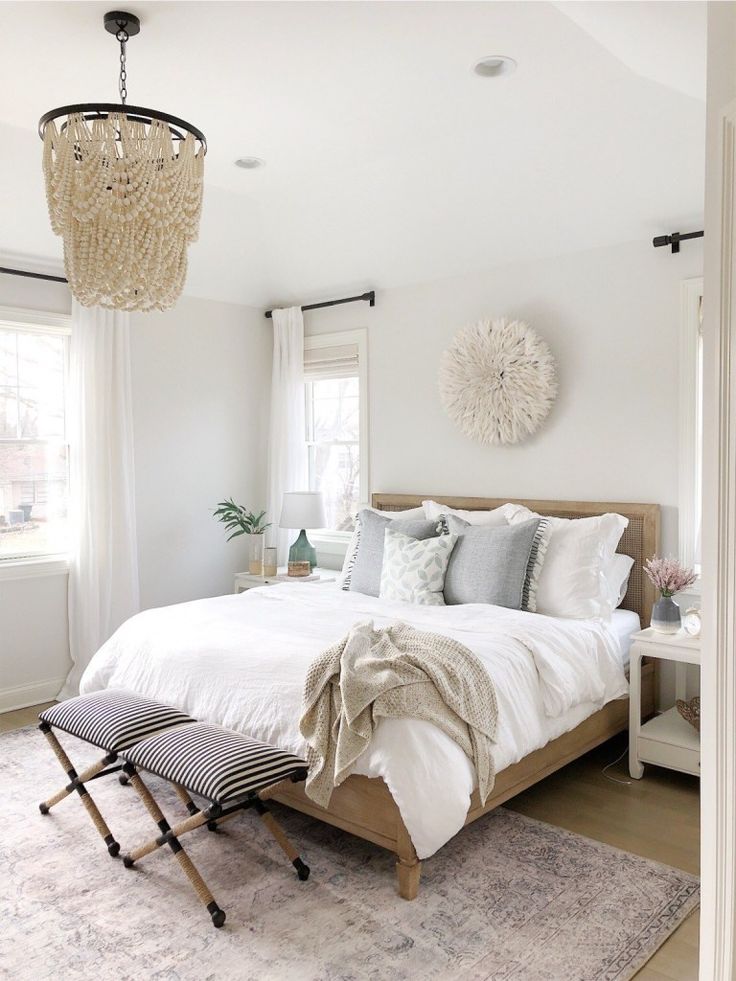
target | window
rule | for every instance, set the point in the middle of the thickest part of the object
(336, 423)
(691, 422)
(34, 455)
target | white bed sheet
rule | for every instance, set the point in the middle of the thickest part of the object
(240, 661)
(624, 623)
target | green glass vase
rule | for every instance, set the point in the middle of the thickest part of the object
(303, 551)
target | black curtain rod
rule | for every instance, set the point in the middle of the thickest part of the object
(33, 275)
(674, 239)
(368, 297)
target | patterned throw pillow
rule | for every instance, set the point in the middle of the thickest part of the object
(413, 571)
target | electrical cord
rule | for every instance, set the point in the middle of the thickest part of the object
(625, 783)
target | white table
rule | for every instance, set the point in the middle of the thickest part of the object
(244, 580)
(667, 739)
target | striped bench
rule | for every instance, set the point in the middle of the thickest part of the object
(112, 720)
(228, 770)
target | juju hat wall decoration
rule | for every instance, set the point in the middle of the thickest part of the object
(497, 381)
(124, 190)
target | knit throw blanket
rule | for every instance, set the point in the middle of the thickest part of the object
(395, 672)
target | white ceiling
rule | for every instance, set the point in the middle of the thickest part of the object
(387, 160)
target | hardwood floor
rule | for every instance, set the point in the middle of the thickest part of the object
(657, 817)
(21, 717)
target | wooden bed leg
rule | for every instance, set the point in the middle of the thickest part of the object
(409, 875)
(408, 866)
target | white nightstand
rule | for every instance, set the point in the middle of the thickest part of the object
(244, 580)
(667, 739)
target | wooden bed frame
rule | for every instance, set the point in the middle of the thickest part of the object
(364, 805)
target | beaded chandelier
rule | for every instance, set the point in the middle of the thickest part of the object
(124, 191)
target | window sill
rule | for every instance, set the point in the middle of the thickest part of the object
(32, 568)
(331, 542)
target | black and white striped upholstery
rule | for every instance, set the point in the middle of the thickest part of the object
(113, 719)
(216, 763)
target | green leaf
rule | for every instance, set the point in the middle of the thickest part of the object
(235, 516)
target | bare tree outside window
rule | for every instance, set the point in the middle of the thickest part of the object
(33, 447)
(333, 441)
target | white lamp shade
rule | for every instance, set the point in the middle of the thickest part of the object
(303, 509)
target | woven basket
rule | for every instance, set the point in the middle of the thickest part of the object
(690, 711)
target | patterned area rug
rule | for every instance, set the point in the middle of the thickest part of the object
(510, 899)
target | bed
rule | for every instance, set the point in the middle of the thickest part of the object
(365, 807)
(237, 661)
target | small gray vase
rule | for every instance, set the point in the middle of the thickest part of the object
(666, 618)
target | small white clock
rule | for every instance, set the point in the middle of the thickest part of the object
(691, 622)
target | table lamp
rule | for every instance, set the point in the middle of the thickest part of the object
(302, 509)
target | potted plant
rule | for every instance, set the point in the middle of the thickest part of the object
(669, 576)
(239, 521)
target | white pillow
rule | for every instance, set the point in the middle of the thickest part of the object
(412, 514)
(496, 517)
(572, 581)
(413, 570)
(617, 575)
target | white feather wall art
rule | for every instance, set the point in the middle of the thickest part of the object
(497, 381)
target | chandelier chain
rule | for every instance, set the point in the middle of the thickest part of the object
(122, 37)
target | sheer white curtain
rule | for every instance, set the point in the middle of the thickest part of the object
(287, 463)
(103, 575)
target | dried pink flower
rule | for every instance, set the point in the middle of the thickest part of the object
(669, 576)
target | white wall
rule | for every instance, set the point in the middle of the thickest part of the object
(201, 383)
(201, 387)
(34, 640)
(611, 317)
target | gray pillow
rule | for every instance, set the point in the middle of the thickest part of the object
(365, 576)
(490, 565)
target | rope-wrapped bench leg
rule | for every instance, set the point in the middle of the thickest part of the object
(77, 782)
(186, 799)
(302, 870)
(191, 823)
(145, 795)
(198, 883)
(169, 837)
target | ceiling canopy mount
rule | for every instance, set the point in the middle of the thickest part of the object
(120, 22)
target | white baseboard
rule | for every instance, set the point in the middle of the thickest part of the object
(24, 695)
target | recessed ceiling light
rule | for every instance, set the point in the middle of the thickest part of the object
(494, 65)
(249, 163)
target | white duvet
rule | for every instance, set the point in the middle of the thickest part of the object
(240, 661)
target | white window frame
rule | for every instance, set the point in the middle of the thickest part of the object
(691, 293)
(335, 542)
(49, 564)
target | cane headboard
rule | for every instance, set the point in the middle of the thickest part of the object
(640, 540)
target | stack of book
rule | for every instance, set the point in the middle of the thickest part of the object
(284, 577)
